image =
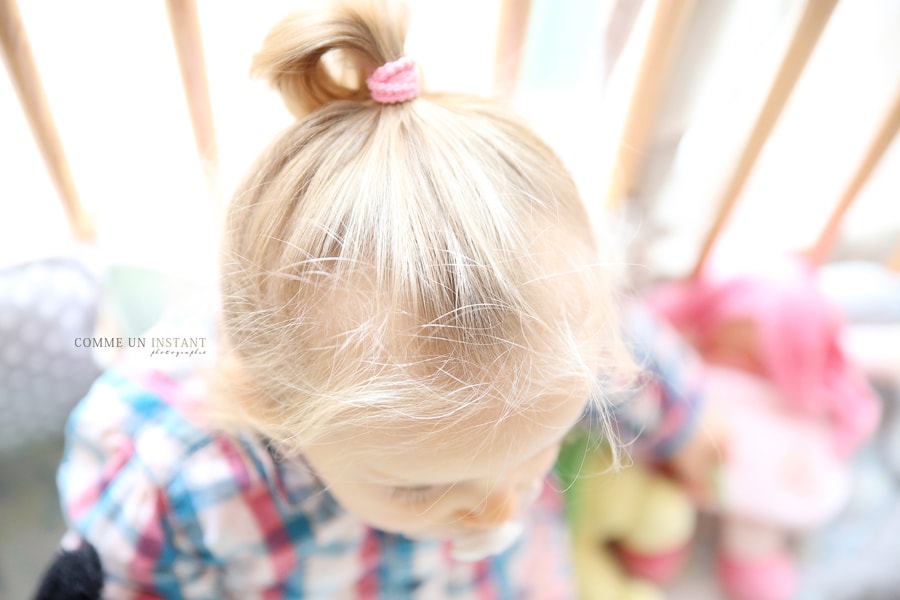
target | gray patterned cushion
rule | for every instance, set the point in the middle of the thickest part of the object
(44, 306)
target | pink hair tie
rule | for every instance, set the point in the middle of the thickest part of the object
(394, 82)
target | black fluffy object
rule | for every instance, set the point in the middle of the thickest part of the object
(73, 575)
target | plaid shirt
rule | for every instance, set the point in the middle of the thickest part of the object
(177, 511)
(661, 411)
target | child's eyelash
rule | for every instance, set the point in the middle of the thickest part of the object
(417, 494)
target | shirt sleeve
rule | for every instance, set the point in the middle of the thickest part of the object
(166, 507)
(659, 413)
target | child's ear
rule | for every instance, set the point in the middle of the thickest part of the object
(73, 575)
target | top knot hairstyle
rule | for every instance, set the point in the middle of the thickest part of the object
(419, 261)
(315, 58)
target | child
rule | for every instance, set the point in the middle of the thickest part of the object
(414, 312)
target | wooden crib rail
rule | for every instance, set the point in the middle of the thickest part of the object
(511, 36)
(656, 38)
(27, 83)
(185, 25)
(884, 135)
(806, 35)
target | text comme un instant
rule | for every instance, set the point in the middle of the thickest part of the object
(139, 342)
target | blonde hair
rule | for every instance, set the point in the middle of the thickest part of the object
(391, 265)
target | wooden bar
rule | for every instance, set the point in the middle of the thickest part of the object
(185, 24)
(510, 46)
(27, 82)
(809, 28)
(660, 42)
(884, 135)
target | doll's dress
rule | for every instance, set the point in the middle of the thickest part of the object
(780, 467)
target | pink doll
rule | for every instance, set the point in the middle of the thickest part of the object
(793, 407)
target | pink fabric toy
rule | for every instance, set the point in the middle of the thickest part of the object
(795, 409)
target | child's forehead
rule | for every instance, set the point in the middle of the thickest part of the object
(489, 444)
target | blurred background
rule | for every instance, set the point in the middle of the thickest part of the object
(720, 132)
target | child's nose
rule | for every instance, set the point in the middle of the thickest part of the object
(499, 507)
